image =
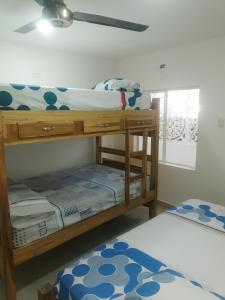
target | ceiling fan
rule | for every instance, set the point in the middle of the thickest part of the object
(60, 16)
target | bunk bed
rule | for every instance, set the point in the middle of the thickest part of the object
(31, 114)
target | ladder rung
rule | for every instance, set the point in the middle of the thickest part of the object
(112, 151)
(137, 177)
(141, 155)
(137, 154)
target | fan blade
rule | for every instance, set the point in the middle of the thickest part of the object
(41, 2)
(28, 27)
(100, 20)
(48, 2)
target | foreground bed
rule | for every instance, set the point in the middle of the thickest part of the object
(177, 255)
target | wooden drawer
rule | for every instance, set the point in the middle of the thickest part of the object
(48, 129)
(101, 125)
(137, 123)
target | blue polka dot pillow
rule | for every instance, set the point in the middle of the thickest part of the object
(118, 84)
(206, 213)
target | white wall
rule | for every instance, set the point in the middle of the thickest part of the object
(200, 65)
(49, 67)
(25, 64)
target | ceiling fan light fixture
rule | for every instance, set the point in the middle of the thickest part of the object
(65, 13)
(56, 14)
(44, 26)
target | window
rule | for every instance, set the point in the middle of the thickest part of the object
(178, 134)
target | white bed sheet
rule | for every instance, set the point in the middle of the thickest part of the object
(191, 248)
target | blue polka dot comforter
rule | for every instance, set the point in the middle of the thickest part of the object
(202, 212)
(32, 97)
(117, 270)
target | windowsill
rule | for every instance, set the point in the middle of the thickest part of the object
(177, 166)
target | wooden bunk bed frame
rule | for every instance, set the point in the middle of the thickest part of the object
(25, 127)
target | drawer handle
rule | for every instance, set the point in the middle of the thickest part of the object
(103, 125)
(140, 122)
(50, 128)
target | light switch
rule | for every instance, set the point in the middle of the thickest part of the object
(36, 75)
(221, 122)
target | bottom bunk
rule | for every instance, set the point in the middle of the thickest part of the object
(42, 205)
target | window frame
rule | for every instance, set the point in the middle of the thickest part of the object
(165, 91)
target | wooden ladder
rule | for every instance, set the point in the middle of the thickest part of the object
(140, 172)
(143, 155)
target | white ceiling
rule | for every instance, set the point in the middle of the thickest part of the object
(172, 23)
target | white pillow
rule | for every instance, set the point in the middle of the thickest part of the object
(118, 84)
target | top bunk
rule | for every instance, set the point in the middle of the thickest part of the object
(37, 98)
(31, 114)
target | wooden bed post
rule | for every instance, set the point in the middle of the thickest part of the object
(144, 162)
(46, 293)
(98, 150)
(127, 167)
(6, 254)
(154, 161)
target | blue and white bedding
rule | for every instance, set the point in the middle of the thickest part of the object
(165, 258)
(45, 204)
(32, 216)
(31, 97)
(117, 270)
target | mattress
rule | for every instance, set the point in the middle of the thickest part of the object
(30, 97)
(45, 204)
(173, 256)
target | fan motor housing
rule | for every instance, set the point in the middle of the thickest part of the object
(59, 15)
